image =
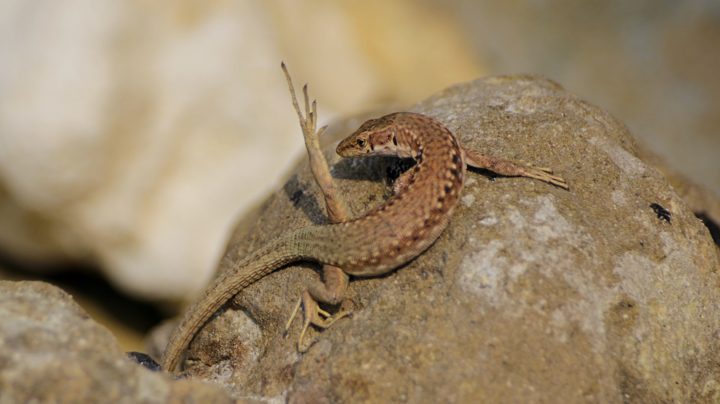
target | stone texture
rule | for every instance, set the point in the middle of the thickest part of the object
(51, 351)
(702, 201)
(532, 294)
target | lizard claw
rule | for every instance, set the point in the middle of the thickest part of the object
(314, 315)
(544, 174)
(534, 167)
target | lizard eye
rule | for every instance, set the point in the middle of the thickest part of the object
(361, 142)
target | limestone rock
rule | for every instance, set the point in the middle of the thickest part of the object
(532, 294)
(51, 351)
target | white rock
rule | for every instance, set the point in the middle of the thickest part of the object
(133, 134)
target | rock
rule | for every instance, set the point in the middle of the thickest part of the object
(51, 351)
(532, 294)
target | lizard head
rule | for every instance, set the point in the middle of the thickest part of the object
(374, 137)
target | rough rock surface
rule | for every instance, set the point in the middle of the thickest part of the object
(51, 351)
(532, 294)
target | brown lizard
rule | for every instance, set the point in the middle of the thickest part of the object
(381, 240)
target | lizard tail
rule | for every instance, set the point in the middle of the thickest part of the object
(258, 264)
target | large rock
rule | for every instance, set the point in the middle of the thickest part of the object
(607, 292)
(51, 351)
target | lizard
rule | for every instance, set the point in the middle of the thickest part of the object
(383, 239)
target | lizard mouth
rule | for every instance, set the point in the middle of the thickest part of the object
(347, 148)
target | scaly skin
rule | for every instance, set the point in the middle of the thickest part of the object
(383, 239)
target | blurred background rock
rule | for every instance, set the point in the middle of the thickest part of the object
(134, 134)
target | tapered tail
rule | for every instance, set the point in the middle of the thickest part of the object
(260, 263)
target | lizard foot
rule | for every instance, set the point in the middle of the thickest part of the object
(544, 174)
(314, 315)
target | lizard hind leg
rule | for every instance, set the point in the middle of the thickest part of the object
(512, 169)
(330, 292)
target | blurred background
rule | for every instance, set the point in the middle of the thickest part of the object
(134, 134)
